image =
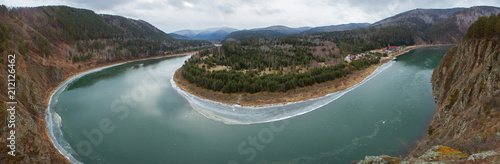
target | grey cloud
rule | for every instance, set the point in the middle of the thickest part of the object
(180, 3)
(99, 4)
(231, 6)
(151, 6)
(205, 5)
(266, 11)
(175, 3)
(225, 9)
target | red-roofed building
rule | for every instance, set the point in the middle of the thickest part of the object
(353, 57)
(393, 47)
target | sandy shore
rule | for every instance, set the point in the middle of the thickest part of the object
(295, 95)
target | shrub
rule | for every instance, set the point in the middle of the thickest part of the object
(430, 130)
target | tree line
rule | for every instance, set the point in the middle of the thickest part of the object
(484, 27)
(252, 81)
(262, 54)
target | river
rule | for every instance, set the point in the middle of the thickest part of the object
(131, 113)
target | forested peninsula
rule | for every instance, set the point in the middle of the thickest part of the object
(257, 72)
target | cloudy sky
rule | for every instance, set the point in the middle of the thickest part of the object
(173, 15)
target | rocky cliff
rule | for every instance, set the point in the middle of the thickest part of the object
(466, 126)
(466, 86)
(467, 89)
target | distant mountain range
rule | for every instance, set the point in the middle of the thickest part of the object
(277, 31)
(428, 26)
(268, 32)
(231, 34)
(207, 34)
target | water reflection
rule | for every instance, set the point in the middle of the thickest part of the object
(426, 57)
(91, 79)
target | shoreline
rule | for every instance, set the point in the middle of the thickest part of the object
(262, 99)
(48, 94)
(238, 114)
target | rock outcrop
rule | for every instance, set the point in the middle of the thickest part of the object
(466, 86)
(438, 154)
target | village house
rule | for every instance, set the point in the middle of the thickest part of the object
(350, 57)
(347, 59)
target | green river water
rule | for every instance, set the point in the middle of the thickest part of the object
(130, 113)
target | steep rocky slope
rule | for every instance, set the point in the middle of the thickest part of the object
(466, 85)
(467, 89)
(438, 25)
(52, 43)
(418, 18)
(452, 29)
(467, 123)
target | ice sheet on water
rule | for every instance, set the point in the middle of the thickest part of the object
(54, 125)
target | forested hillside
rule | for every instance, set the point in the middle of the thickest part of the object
(52, 43)
(364, 39)
(337, 27)
(100, 36)
(419, 26)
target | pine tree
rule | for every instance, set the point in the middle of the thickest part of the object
(480, 27)
(489, 29)
(497, 26)
(476, 30)
(23, 48)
